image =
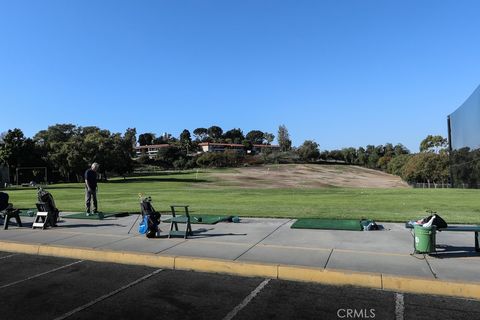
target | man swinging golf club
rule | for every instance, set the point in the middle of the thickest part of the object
(91, 189)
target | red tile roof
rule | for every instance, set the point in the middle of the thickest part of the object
(236, 145)
(152, 146)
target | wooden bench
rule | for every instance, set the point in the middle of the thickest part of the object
(8, 214)
(475, 229)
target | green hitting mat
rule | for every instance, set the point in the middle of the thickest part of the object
(205, 219)
(352, 225)
(83, 215)
(27, 212)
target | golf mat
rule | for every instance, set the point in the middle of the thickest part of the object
(83, 215)
(204, 219)
(27, 212)
(352, 225)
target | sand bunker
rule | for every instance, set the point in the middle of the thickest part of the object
(306, 176)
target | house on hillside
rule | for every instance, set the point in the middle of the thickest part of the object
(150, 150)
(222, 147)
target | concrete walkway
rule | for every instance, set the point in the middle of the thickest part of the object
(338, 257)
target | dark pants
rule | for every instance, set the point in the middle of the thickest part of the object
(89, 196)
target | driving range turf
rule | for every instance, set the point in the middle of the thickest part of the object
(206, 195)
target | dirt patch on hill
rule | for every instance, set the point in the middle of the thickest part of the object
(307, 176)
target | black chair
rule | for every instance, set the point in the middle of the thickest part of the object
(7, 211)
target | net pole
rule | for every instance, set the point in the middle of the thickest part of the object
(450, 150)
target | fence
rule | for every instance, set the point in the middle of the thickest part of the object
(432, 185)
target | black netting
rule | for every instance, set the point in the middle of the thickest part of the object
(465, 142)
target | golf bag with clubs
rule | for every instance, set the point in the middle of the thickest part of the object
(47, 204)
(150, 218)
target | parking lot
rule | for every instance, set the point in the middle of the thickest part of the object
(38, 287)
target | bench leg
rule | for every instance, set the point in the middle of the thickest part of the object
(477, 240)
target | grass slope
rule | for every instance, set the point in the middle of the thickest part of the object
(205, 195)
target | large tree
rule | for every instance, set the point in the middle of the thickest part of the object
(268, 137)
(234, 136)
(255, 136)
(435, 144)
(215, 133)
(200, 134)
(283, 138)
(400, 149)
(309, 151)
(185, 140)
(146, 139)
(18, 151)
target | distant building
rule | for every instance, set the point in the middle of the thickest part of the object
(150, 150)
(221, 147)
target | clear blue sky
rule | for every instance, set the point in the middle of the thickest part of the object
(342, 73)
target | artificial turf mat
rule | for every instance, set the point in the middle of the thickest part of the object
(82, 215)
(204, 219)
(27, 212)
(353, 225)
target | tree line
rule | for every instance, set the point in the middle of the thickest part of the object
(218, 135)
(431, 165)
(67, 150)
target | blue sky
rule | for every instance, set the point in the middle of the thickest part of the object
(342, 73)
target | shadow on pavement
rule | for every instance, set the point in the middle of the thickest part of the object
(446, 252)
(199, 234)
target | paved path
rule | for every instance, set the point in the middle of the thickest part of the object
(254, 245)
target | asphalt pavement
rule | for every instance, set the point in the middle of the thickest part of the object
(267, 248)
(39, 287)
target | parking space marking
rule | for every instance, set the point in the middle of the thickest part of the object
(108, 295)
(399, 306)
(39, 275)
(10, 255)
(247, 300)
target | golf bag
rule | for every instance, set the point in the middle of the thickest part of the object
(150, 218)
(47, 204)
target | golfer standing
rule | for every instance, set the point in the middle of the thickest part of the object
(91, 188)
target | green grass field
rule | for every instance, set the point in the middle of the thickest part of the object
(206, 195)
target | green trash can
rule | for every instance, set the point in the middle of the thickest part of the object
(424, 239)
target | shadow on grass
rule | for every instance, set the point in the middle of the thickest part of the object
(157, 179)
(166, 173)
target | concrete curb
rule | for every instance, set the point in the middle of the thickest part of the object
(255, 269)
